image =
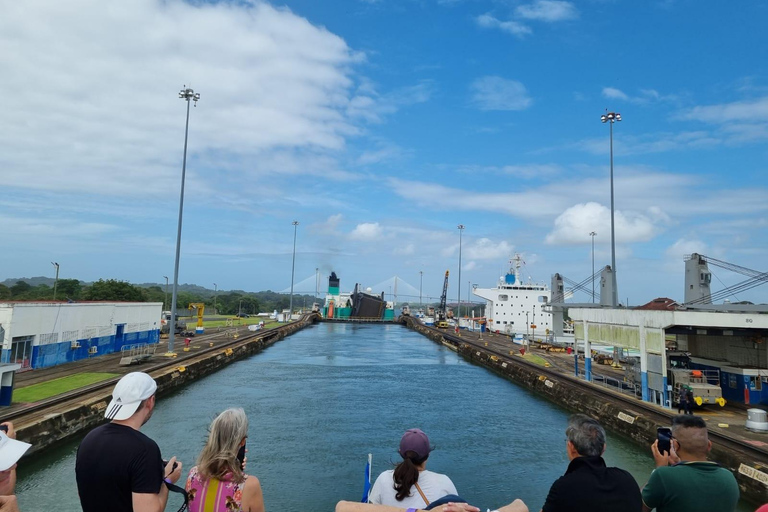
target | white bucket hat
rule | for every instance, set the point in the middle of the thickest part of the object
(129, 392)
(11, 451)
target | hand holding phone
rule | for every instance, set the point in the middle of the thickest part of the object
(664, 435)
(241, 456)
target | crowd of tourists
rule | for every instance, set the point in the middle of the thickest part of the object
(119, 469)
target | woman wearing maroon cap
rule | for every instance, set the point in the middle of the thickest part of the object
(410, 484)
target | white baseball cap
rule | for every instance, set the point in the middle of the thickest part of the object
(128, 395)
(11, 451)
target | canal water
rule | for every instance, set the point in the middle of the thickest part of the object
(322, 399)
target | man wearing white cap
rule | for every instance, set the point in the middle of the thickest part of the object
(118, 468)
(11, 451)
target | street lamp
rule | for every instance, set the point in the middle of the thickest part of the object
(185, 94)
(612, 117)
(592, 234)
(317, 282)
(215, 290)
(421, 279)
(55, 281)
(293, 267)
(461, 231)
(165, 302)
(240, 309)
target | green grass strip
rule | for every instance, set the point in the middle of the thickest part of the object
(535, 359)
(37, 392)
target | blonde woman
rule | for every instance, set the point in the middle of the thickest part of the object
(218, 482)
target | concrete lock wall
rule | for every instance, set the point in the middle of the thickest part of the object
(630, 419)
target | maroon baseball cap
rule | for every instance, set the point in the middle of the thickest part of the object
(414, 440)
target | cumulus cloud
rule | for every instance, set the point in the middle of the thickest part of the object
(547, 10)
(573, 226)
(367, 231)
(496, 93)
(94, 97)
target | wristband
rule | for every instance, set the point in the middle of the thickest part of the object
(411, 510)
(168, 481)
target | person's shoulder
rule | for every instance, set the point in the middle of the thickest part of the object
(251, 482)
(389, 473)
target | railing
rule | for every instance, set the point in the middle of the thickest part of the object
(136, 354)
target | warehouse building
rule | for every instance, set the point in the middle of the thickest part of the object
(42, 334)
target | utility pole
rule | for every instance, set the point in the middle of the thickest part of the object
(56, 281)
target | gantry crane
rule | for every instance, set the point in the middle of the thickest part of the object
(441, 313)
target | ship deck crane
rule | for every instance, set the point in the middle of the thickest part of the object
(441, 313)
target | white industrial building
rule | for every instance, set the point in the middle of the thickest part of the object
(42, 334)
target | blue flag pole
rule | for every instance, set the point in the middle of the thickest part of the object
(367, 482)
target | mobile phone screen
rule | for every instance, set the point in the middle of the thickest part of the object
(664, 435)
(241, 454)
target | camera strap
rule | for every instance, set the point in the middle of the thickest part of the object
(175, 488)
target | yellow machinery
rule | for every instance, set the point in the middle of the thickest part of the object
(200, 307)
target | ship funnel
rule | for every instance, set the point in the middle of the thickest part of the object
(697, 279)
(606, 286)
(333, 284)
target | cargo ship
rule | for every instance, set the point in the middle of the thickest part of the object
(359, 303)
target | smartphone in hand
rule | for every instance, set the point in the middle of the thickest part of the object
(664, 435)
(241, 455)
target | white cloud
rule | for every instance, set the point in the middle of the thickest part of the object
(683, 247)
(471, 265)
(573, 226)
(487, 249)
(94, 97)
(367, 231)
(548, 10)
(513, 27)
(612, 93)
(646, 96)
(496, 93)
(748, 111)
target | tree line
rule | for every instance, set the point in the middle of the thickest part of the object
(226, 302)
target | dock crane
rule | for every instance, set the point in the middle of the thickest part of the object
(440, 321)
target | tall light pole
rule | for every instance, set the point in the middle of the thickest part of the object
(293, 267)
(461, 231)
(421, 280)
(165, 302)
(612, 117)
(185, 94)
(55, 281)
(215, 291)
(592, 234)
(317, 282)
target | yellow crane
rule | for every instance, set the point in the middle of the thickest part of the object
(200, 307)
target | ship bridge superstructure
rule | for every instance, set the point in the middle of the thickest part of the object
(514, 306)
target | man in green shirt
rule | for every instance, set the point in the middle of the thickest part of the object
(684, 480)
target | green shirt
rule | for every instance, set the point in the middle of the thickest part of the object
(691, 487)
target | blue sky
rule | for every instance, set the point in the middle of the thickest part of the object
(380, 126)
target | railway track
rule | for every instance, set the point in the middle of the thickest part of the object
(29, 413)
(652, 412)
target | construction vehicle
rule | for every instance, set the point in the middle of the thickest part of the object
(441, 313)
(181, 326)
(703, 384)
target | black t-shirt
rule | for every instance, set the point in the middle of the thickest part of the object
(114, 461)
(589, 486)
